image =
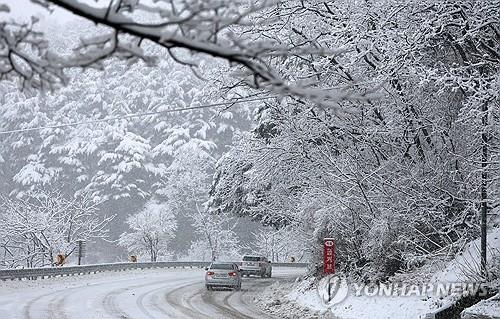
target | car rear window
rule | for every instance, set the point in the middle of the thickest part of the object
(251, 258)
(221, 266)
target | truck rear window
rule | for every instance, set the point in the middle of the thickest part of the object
(251, 258)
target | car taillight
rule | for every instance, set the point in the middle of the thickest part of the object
(210, 273)
(232, 273)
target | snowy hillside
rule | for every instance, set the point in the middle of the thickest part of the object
(301, 299)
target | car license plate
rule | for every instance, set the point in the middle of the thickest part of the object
(220, 276)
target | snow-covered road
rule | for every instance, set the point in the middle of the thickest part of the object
(141, 294)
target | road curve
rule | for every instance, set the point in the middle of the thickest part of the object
(146, 294)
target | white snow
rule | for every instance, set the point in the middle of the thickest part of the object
(489, 307)
(82, 294)
(153, 293)
(357, 307)
(466, 266)
(301, 299)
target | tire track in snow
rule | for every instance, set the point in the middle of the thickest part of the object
(229, 312)
(175, 298)
(232, 303)
(156, 293)
(110, 306)
(193, 301)
(239, 304)
(54, 306)
(56, 312)
(244, 299)
(140, 302)
(160, 301)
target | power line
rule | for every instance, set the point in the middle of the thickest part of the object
(137, 115)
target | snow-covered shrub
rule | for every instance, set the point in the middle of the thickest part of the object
(39, 226)
(151, 230)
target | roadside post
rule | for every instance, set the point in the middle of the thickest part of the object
(329, 261)
(82, 249)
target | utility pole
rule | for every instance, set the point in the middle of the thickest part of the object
(81, 251)
(484, 186)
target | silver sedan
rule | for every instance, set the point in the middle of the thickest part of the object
(223, 275)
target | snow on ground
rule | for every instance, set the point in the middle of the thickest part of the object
(274, 300)
(301, 299)
(13, 286)
(149, 293)
(490, 308)
(33, 298)
(466, 266)
(367, 307)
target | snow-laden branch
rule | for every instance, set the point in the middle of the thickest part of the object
(34, 229)
(221, 29)
(24, 54)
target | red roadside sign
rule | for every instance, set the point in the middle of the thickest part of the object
(328, 255)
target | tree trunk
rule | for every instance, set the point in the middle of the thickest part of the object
(484, 190)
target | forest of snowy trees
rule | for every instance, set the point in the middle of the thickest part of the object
(126, 160)
(378, 122)
(397, 178)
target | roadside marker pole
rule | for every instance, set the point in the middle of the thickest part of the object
(329, 261)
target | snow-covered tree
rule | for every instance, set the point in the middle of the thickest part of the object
(127, 160)
(151, 230)
(40, 226)
(186, 188)
(282, 245)
(383, 132)
(111, 158)
(221, 29)
(395, 179)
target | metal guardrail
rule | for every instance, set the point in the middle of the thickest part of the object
(41, 273)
